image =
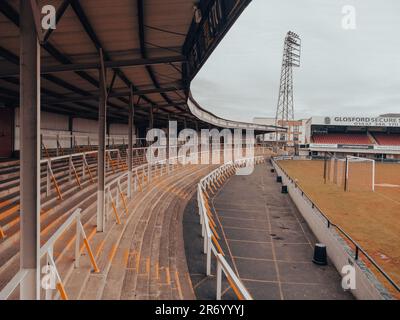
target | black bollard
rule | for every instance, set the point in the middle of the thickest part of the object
(320, 256)
(272, 170)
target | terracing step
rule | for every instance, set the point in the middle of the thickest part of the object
(115, 250)
(10, 208)
(50, 221)
(9, 194)
(104, 248)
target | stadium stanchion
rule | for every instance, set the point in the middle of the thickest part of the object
(346, 175)
(357, 253)
(325, 167)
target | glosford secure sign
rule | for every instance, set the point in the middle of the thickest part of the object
(358, 121)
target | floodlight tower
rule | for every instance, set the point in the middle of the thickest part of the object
(291, 59)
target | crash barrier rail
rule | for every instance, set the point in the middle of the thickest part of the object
(114, 161)
(72, 168)
(79, 167)
(357, 248)
(210, 184)
(65, 143)
(140, 176)
(77, 172)
(53, 284)
(120, 189)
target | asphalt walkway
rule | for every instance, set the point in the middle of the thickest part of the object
(265, 240)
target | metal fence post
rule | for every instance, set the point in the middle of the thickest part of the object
(219, 280)
(70, 169)
(48, 179)
(77, 240)
(208, 256)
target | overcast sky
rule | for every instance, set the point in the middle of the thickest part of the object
(343, 72)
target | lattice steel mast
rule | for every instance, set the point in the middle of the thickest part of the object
(291, 58)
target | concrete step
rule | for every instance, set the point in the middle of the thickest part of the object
(109, 254)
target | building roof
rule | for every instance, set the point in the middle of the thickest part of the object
(155, 46)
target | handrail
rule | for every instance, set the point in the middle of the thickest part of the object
(135, 180)
(226, 268)
(47, 250)
(13, 284)
(50, 242)
(139, 175)
(74, 155)
(145, 166)
(358, 248)
(212, 179)
(50, 177)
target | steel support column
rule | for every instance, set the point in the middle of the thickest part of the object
(151, 119)
(130, 143)
(102, 147)
(30, 154)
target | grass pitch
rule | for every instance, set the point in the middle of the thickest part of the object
(370, 218)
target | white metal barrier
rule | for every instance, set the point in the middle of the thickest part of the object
(117, 191)
(120, 189)
(47, 251)
(72, 170)
(210, 183)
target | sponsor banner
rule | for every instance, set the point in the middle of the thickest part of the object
(320, 145)
(357, 121)
(387, 148)
(355, 146)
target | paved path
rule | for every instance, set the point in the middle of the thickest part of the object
(266, 241)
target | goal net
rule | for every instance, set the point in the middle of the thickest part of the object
(336, 171)
(352, 173)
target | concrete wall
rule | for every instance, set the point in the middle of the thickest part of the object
(367, 286)
(51, 123)
(85, 130)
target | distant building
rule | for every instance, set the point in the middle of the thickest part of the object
(296, 133)
(362, 136)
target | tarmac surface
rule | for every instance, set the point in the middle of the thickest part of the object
(266, 242)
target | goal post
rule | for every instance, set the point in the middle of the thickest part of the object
(360, 174)
(351, 173)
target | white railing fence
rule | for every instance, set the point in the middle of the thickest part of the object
(77, 162)
(53, 282)
(211, 247)
(118, 191)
